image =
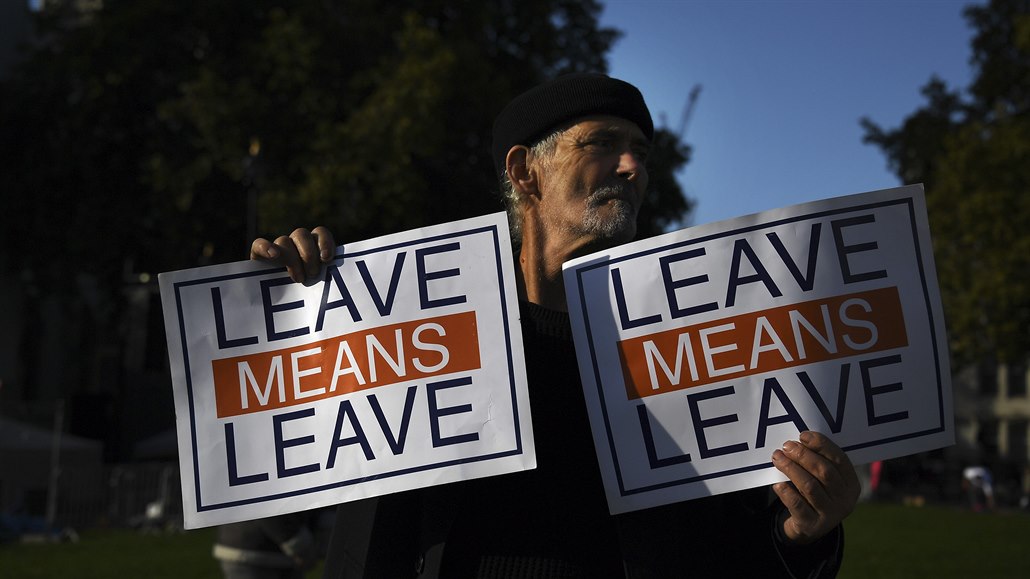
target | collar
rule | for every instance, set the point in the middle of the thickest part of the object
(545, 321)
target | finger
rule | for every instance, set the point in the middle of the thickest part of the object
(802, 515)
(307, 248)
(263, 249)
(326, 244)
(792, 499)
(826, 471)
(823, 446)
(289, 257)
(804, 468)
(281, 252)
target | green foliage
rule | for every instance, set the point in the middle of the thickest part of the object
(138, 134)
(665, 206)
(149, 136)
(142, 136)
(973, 155)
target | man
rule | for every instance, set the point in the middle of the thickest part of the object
(571, 155)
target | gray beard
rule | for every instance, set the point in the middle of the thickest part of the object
(619, 223)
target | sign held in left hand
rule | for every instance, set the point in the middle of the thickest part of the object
(401, 367)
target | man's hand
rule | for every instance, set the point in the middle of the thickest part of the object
(302, 252)
(823, 487)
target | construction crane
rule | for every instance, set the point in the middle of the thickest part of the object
(688, 110)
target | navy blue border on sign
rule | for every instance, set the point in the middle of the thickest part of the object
(492, 229)
(907, 201)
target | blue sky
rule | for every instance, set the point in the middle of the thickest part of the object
(784, 84)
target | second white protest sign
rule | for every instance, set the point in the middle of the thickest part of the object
(703, 350)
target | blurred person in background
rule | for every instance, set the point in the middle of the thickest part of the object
(979, 486)
(282, 547)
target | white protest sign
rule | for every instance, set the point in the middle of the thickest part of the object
(400, 367)
(703, 350)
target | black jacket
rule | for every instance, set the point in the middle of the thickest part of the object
(557, 513)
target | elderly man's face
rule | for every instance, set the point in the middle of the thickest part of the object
(592, 187)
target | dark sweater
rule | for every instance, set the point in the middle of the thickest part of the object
(553, 521)
(555, 515)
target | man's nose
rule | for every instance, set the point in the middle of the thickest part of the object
(631, 167)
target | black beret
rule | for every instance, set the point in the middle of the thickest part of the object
(537, 112)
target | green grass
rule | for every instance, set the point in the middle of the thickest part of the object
(117, 554)
(883, 541)
(887, 541)
(114, 554)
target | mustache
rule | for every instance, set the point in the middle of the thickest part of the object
(619, 190)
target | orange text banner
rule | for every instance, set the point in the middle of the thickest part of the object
(763, 341)
(344, 364)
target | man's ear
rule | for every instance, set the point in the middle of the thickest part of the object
(517, 165)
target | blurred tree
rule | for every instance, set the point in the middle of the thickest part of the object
(972, 152)
(145, 136)
(666, 206)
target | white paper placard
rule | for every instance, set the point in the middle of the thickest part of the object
(703, 350)
(400, 367)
